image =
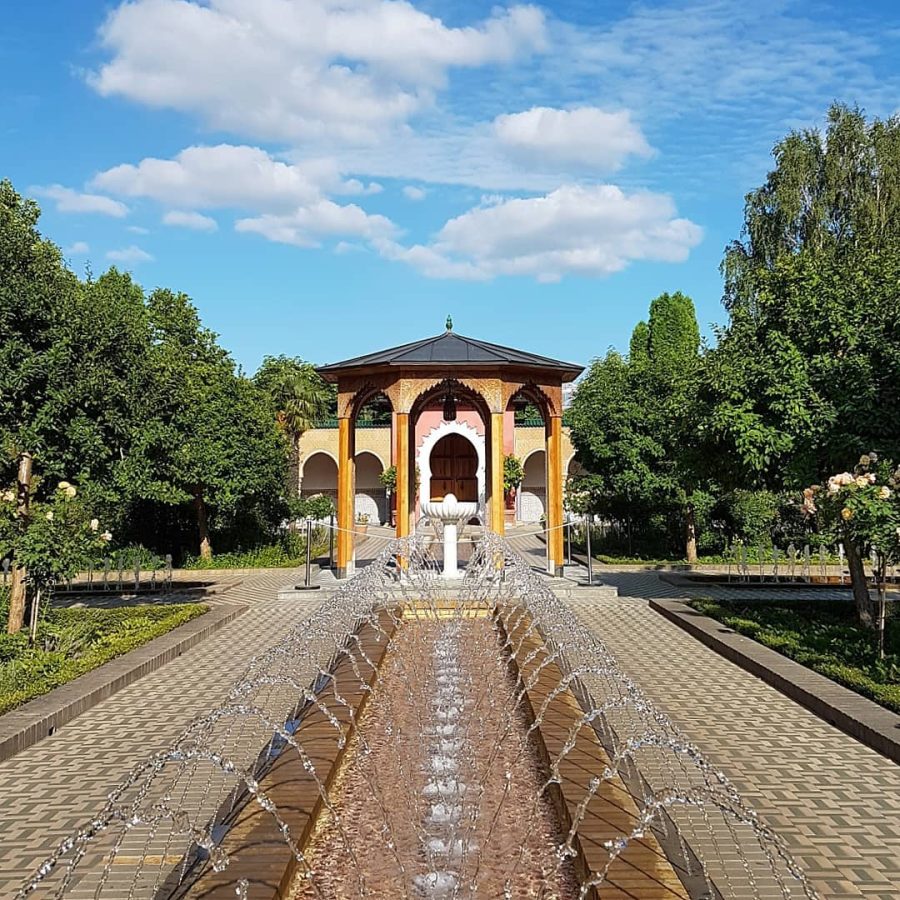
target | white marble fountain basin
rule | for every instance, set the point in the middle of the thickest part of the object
(451, 513)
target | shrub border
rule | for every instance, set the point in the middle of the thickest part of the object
(31, 722)
(861, 718)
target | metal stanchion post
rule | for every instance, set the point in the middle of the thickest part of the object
(307, 581)
(568, 540)
(590, 559)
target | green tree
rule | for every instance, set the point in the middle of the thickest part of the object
(209, 439)
(299, 396)
(805, 375)
(634, 423)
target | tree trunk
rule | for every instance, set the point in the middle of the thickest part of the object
(203, 526)
(18, 587)
(861, 596)
(690, 535)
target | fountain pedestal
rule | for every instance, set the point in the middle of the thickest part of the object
(451, 513)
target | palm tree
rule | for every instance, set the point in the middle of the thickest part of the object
(300, 397)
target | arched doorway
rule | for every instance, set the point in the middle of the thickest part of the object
(319, 475)
(454, 469)
(370, 494)
(533, 493)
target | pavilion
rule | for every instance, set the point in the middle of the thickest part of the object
(454, 374)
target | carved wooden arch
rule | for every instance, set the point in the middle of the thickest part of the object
(355, 391)
(462, 390)
(535, 392)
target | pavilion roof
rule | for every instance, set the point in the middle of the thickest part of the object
(452, 349)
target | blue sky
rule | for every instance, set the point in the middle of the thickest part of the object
(328, 177)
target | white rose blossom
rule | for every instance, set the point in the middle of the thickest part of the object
(106, 536)
(95, 524)
(49, 516)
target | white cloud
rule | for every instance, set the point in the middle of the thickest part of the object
(586, 137)
(79, 248)
(194, 220)
(71, 201)
(591, 231)
(138, 229)
(309, 68)
(130, 254)
(226, 176)
(306, 226)
(411, 192)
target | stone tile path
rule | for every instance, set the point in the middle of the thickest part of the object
(835, 802)
(51, 788)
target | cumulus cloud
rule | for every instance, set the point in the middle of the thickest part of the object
(130, 254)
(311, 68)
(79, 248)
(591, 231)
(411, 192)
(193, 220)
(71, 201)
(138, 229)
(306, 226)
(226, 176)
(586, 137)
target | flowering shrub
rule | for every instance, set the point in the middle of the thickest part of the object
(59, 537)
(861, 509)
(862, 506)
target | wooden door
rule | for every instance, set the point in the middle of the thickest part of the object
(454, 467)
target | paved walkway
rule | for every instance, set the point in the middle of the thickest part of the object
(53, 787)
(834, 801)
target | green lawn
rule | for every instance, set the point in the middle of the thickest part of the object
(823, 635)
(74, 641)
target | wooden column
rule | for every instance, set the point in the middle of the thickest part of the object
(345, 504)
(404, 486)
(496, 518)
(555, 538)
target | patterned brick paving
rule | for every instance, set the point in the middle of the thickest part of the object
(835, 802)
(51, 788)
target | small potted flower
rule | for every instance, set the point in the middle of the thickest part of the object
(362, 523)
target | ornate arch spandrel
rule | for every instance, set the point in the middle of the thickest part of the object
(355, 390)
(548, 396)
(413, 388)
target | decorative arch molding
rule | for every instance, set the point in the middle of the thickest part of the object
(377, 456)
(318, 452)
(423, 458)
(532, 453)
(534, 392)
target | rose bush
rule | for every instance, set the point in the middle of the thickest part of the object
(861, 509)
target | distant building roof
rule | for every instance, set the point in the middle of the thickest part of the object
(450, 348)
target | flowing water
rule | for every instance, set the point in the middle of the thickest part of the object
(420, 738)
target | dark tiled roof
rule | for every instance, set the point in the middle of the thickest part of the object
(454, 349)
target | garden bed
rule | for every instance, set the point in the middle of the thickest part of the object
(71, 642)
(824, 637)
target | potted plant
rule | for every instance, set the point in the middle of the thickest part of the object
(362, 523)
(513, 474)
